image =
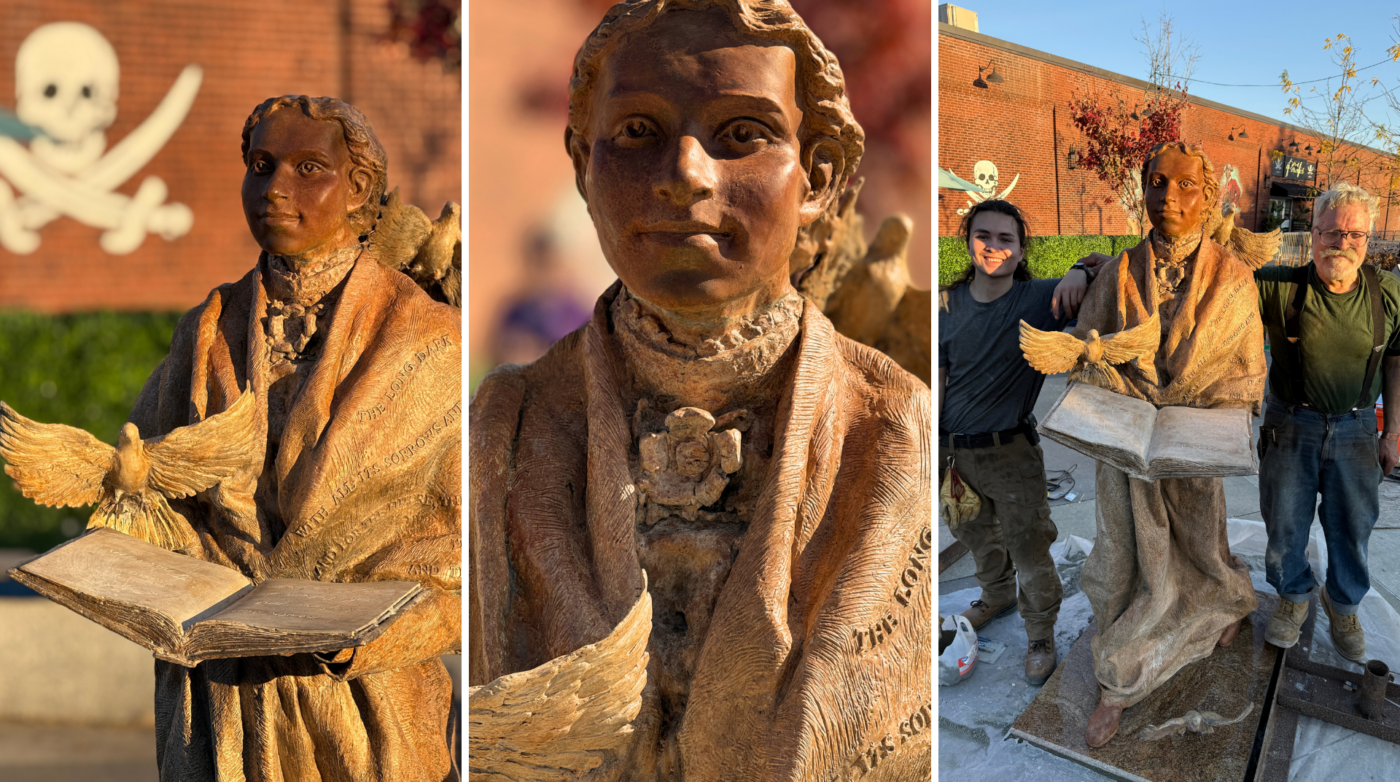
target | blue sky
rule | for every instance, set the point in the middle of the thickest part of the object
(1240, 43)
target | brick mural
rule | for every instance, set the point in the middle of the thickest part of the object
(216, 61)
(1017, 132)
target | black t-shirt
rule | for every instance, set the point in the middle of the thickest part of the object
(991, 387)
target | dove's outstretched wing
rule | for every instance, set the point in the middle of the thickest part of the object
(193, 458)
(1172, 727)
(53, 464)
(1140, 341)
(1255, 249)
(563, 718)
(1050, 352)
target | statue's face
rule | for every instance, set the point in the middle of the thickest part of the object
(1173, 193)
(692, 167)
(298, 193)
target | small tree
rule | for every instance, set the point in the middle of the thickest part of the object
(1334, 112)
(1117, 139)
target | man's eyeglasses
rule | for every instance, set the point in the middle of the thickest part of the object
(1335, 237)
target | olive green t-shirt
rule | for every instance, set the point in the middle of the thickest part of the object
(1335, 334)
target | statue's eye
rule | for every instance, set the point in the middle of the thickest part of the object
(745, 135)
(635, 132)
(50, 91)
(258, 167)
(308, 167)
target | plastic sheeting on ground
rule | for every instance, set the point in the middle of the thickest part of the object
(974, 716)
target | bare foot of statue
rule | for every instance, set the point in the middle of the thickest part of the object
(1103, 723)
(1230, 632)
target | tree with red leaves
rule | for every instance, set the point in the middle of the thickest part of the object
(1117, 140)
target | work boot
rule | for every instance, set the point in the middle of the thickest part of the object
(1040, 661)
(981, 612)
(1103, 723)
(1284, 625)
(1347, 634)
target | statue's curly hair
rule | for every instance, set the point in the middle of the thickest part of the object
(826, 112)
(366, 152)
(1209, 185)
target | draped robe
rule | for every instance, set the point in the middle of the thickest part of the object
(786, 686)
(367, 473)
(1161, 580)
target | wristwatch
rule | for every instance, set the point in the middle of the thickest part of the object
(1084, 268)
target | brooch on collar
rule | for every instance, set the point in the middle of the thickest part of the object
(687, 467)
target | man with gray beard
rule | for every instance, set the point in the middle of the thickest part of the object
(1334, 332)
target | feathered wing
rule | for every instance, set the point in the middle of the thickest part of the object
(1050, 352)
(53, 464)
(1255, 249)
(193, 458)
(563, 718)
(1140, 341)
(145, 515)
(1173, 727)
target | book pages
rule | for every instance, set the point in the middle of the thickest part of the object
(119, 568)
(1190, 441)
(1109, 427)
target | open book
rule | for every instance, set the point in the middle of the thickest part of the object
(1147, 443)
(187, 610)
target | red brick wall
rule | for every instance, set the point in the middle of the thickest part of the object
(248, 51)
(1022, 125)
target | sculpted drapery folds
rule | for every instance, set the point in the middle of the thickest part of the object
(708, 426)
(1161, 580)
(356, 374)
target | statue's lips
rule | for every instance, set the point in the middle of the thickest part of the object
(693, 234)
(279, 218)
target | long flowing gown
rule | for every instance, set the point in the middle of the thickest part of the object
(1161, 580)
(362, 484)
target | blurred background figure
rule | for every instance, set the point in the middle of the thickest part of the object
(548, 307)
(521, 57)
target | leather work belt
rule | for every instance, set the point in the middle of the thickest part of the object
(988, 439)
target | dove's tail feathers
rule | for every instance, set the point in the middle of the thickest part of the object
(148, 517)
(1098, 374)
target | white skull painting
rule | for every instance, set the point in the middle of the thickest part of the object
(986, 177)
(66, 85)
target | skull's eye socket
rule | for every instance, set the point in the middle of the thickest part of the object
(87, 91)
(50, 90)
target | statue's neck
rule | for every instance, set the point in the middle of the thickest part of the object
(306, 280)
(1174, 250)
(714, 365)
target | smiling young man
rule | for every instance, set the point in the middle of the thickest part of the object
(356, 373)
(789, 572)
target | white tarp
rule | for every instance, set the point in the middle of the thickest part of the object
(974, 716)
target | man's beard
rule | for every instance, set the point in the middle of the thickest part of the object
(1346, 252)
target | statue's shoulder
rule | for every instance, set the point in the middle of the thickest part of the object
(509, 388)
(876, 376)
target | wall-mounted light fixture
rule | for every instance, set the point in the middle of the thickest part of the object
(1243, 132)
(1294, 146)
(995, 78)
(1072, 159)
(1308, 149)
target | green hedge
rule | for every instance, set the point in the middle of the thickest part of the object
(1050, 256)
(82, 370)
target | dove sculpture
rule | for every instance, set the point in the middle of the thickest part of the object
(560, 720)
(1090, 360)
(1202, 722)
(59, 465)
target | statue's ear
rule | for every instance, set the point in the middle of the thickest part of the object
(824, 162)
(579, 151)
(361, 183)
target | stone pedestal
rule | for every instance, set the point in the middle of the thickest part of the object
(1225, 683)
